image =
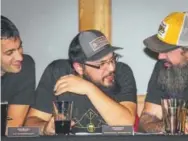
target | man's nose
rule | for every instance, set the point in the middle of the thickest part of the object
(18, 56)
(111, 67)
(162, 56)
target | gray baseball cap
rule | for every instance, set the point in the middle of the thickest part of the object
(94, 44)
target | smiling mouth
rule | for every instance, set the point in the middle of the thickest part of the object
(17, 65)
(110, 78)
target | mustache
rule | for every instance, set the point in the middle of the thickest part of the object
(166, 61)
(109, 74)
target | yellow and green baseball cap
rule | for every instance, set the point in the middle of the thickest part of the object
(172, 33)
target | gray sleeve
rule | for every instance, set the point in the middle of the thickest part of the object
(44, 91)
(26, 83)
(154, 93)
(126, 82)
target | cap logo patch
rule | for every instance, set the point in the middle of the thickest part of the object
(99, 42)
(162, 30)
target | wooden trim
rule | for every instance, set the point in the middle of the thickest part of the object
(141, 98)
(140, 103)
(95, 14)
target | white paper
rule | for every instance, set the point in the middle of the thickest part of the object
(85, 133)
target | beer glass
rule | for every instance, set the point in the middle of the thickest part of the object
(62, 116)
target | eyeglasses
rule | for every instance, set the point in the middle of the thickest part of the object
(105, 64)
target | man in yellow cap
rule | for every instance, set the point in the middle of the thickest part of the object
(170, 75)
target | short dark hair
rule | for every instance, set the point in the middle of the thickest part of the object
(8, 29)
(76, 53)
(185, 49)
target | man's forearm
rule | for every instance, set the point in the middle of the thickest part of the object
(150, 123)
(152, 127)
(16, 115)
(113, 112)
(36, 122)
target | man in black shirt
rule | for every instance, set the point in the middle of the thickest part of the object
(103, 90)
(170, 75)
(17, 74)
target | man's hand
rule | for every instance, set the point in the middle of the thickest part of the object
(72, 83)
(49, 128)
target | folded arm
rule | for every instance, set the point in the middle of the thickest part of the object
(39, 119)
(17, 114)
(114, 113)
(151, 118)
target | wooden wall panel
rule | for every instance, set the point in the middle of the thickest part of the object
(95, 14)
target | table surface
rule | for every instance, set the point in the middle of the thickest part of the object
(101, 138)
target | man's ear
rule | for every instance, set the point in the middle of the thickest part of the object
(184, 52)
(78, 68)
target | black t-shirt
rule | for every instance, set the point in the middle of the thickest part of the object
(18, 88)
(155, 92)
(84, 113)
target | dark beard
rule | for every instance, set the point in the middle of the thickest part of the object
(174, 79)
(113, 88)
(87, 77)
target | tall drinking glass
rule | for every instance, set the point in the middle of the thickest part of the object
(4, 106)
(62, 116)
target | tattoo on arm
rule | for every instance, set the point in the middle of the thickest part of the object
(150, 123)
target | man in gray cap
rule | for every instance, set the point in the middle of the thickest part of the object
(170, 75)
(103, 90)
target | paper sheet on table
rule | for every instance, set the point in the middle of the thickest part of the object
(141, 133)
(85, 133)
